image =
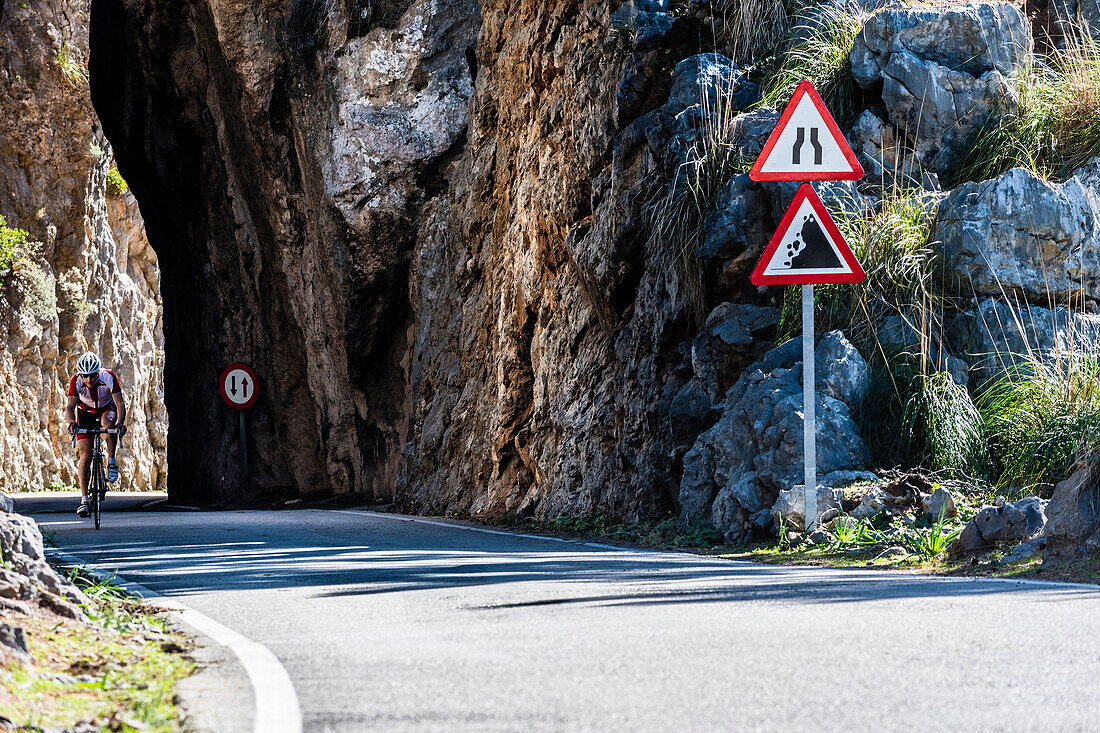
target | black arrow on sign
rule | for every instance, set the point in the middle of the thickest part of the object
(233, 385)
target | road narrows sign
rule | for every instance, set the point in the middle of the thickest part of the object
(806, 144)
(239, 386)
(807, 248)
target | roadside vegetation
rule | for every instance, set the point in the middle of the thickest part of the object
(1015, 434)
(116, 673)
(1056, 129)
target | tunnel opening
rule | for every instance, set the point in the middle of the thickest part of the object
(258, 264)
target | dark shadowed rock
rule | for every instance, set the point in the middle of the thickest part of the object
(994, 525)
(739, 467)
(1073, 524)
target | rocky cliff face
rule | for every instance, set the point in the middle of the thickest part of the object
(92, 282)
(445, 284)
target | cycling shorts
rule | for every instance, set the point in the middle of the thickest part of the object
(87, 419)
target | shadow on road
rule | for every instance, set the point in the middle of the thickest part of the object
(365, 556)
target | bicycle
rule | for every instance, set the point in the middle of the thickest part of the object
(97, 475)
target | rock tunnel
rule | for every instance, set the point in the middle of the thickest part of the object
(283, 242)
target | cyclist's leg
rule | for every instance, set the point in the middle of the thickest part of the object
(107, 421)
(84, 451)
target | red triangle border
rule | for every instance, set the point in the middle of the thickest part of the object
(806, 87)
(857, 275)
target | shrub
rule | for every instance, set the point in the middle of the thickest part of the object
(1057, 127)
(11, 241)
(116, 184)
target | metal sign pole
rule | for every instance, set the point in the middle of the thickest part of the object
(244, 453)
(809, 406)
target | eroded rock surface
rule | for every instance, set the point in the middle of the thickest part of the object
(1073, 524)
(1019, 234)
(943, 72)
(736, 470)
(93, 282)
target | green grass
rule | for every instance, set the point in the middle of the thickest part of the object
(823, 59)
(1038, 419)
(12, 240)
(119, 672)
(1057, 127)
(71, 67)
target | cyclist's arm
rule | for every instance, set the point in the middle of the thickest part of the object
(70, 410)
(120, 407)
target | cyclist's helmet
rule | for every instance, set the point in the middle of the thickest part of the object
(88, 364)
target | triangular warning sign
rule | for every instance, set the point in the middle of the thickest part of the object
(807, 248)
(806, 144)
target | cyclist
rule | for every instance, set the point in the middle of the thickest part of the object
(95, 401)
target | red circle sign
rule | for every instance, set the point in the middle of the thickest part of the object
(239, 386)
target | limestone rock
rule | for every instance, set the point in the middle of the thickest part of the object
(733, 336)
(1025, 551)
(1021, 235)
(14, 640)
(993, 525)
(93, 283)
(939, 505)
(1073, 516)
(790, 506)
(7, 504)
(23, 551)
(996, 336)
(943, 71)
(739, 467)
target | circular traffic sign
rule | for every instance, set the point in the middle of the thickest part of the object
(239, 386)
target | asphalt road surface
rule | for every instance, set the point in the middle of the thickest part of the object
(385, 622)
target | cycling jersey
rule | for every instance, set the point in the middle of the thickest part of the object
(108, 385)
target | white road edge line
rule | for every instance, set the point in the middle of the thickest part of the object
(891, 574)
(276, 703)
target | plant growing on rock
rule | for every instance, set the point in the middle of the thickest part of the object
(819, 53)
(70, 65)
(11, 241)
(1039, 418)
(1057, 127)
(116, 184)
(748, 29)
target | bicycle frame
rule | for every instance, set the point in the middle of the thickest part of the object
(97, 479)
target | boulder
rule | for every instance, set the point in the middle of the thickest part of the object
(7, 504)
(939, 505)
(737, 469)
(1072, 17)
(740, 225)
(22, 548)
(1024, 551)
(996, 336)
(14, 640)
(790, 506)
(1018, 234)
(712, 82)
(734, 335)
(992, 525)
(1073, 516)
(943, 72)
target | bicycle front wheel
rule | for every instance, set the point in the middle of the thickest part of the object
(97, 482)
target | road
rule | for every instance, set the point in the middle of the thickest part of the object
(386, 622)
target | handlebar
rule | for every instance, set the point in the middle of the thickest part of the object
(93, 431)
